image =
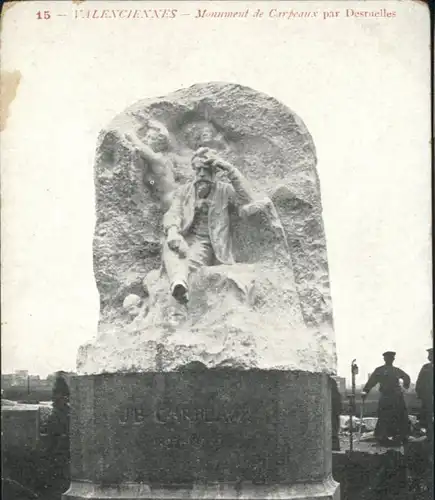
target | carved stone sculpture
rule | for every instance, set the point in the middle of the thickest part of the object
(209, 374)
(266, 304)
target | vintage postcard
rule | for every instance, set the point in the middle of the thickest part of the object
(216, 250)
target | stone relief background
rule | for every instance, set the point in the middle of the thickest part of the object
(271, 310)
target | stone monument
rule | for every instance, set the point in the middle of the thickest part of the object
(209, 374)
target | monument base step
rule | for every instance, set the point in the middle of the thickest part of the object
(327, 490)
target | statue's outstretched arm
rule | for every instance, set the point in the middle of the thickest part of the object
(146, 153)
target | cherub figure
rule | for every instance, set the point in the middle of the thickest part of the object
(155, 167)
(162, 168)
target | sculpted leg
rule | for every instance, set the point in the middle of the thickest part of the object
(178, 272)
(178, 269)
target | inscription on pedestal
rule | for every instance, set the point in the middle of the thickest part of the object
(139, 415)
(223, 426)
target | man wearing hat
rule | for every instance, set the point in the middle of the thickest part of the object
(424, 390)
(392, 411)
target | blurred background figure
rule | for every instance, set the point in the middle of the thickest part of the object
(424, 390)
(392, 412)
(336, 409)
(58, 452)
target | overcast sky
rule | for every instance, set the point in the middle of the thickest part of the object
(360, 85)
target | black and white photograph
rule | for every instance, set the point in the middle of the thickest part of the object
(216, 250)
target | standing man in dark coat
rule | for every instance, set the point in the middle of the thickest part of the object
(392, 412)
(424, 390)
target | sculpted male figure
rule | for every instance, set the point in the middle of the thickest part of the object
(197, 224)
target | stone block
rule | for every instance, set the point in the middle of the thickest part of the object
(201, 434)
(20, 427)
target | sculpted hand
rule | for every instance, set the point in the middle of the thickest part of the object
(132, 139)
(177, 243)
(212, 158)
(139, 146)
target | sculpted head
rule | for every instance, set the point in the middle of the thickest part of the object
(203, 133)
(156, 136)
(206, 133)
(132, 305)
(205, 174)
(203, 170)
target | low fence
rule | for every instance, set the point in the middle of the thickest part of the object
(371, 403)
(22, 394)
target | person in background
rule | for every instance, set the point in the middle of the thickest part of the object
(59, 419)
(58, 433)
(424, 390)
(392, 412)
(335, 414)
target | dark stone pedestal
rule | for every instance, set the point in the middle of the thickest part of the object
(201, 434)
